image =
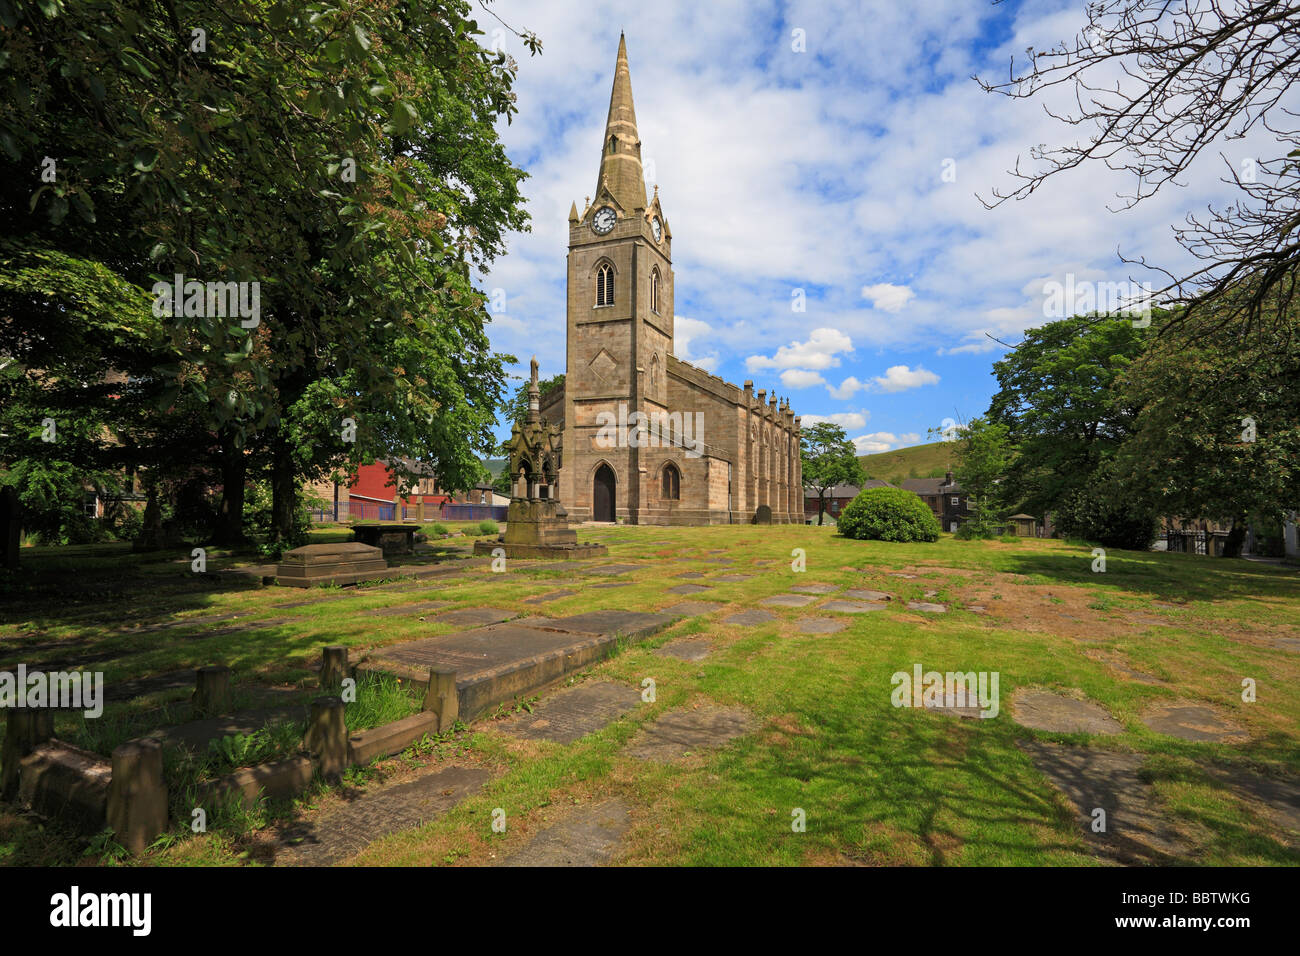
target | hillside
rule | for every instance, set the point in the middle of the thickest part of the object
(918, 461)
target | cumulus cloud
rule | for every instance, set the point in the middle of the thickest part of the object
(820, 351)
(875, 441)
(801, 378)
(846, 389)
(899, 378)
(688, 332)
(843, 419)
(888, 297)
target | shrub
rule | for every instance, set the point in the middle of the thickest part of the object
(439, 528)
(488, 526)
(888, 514)
(1107, 518)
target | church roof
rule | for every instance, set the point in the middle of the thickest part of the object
(620, 156)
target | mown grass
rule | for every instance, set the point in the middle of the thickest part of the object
(877, 784)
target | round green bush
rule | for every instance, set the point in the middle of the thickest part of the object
(488, 526)
(888, 514)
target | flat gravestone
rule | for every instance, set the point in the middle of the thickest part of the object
(693, 649)
(732, 578)
(821, 625)
(349, 830)
(787, 600)
(926, 607)
(476, 616)
(1196, 722)
(813, 588)
(1136, 675)
(682, 732)
(899, 574)
(692, 608)
(687, 589)
(1136, 830)
(572, 714)
(613, 569)
(718, 561)
(627, 623)
(1280, 798)
(407, 608)
(852, 607)
(1043, 710)
(547, 598)
(316, 600)
(690, 574)
(1287, 643)
(751, 618)
(862, 594)
(588, 836)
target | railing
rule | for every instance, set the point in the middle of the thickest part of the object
(457, 512)
(1196, 542)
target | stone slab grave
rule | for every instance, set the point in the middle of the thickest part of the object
(610, 584)
(865, 594)
(573, 713)
(342, 833)
(477, 616)
(1043, 710)
(813, 588)
(852, 607)
(681, 732)
(1279, 798)
(690, 574)
(751, 618)
(821, 625)
(692, 608)
(547, 598)
(787, 600)
(1195, 722)
(587, 836)
(687, 589)
(338, 564)
(500, 662)
(1136, 830)
(613, 569)
(390, 538)
(399, 609)
(926, 607)
(687, 649)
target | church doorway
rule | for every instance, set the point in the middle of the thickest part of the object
(602, 495)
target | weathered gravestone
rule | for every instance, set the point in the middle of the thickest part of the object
(763, 515)
(323, 564)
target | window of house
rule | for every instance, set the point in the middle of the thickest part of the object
(835, 506)
(956, 500)
(672, 483)
(605, 285)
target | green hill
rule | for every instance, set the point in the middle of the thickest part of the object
(919, 461)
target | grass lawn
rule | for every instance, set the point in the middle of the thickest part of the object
(878, 784)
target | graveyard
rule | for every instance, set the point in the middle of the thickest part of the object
(699, 695)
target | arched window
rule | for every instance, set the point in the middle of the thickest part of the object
(613, 140)
(654, 290)
(605, 285)
(672, 483)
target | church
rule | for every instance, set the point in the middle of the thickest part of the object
(647, 438)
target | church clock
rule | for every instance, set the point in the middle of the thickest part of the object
(604, 220)
(657, 228)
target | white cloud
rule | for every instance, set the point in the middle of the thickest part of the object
(899, 378)
(847, 388)
(801, 378)
(874, 442)
(888, 297)
(685, 333)
(843, 419)
(819, 352)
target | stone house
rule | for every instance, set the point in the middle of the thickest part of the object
(944, 496)
(646, 437)
(836, 498)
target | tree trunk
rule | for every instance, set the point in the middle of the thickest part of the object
(229, 529)
(821, 510)
(1236, 537)
(284, 492)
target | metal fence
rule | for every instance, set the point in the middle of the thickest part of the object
(1196, 542)
(377, 511)
(452, 512)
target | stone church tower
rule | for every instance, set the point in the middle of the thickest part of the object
(704, 452)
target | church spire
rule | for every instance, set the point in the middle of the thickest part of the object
(620, 159)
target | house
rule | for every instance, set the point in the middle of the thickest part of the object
(944, 496)
(836, 498)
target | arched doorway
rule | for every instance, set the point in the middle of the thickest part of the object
(602, 494)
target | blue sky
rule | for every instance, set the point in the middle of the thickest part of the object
(823, 170)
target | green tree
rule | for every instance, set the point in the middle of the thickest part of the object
(829, 459)
(1058, 402)
(983, 456)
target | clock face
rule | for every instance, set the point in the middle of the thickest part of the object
(657, 228)
(604, 221)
